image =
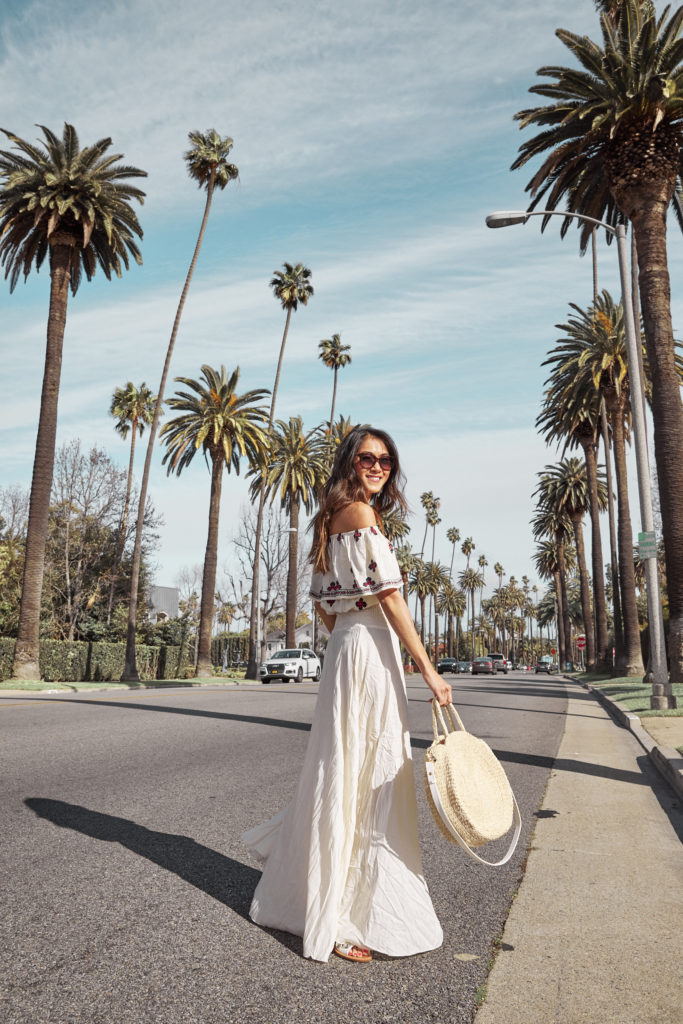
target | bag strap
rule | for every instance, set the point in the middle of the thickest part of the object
(454, 721)
(517, 818)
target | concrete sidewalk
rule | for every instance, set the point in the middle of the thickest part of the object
(594, 934)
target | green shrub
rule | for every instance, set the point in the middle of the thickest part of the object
(6, 656)
(106, 661)
(64, 660)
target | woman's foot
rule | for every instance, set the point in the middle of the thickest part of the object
(358, 954)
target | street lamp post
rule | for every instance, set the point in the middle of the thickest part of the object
(662, 694)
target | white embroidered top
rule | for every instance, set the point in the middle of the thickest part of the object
(362, 564)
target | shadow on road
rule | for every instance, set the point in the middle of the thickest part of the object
(221, 877)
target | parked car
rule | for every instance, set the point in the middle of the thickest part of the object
(499, 662)
(291, 664)
(447, 665)
(483, 666)
(464, 666)
(544, 666)
(508, 665)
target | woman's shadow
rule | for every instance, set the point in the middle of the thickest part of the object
(220, 877)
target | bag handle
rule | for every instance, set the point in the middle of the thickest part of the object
(454, 721)
(517, 818)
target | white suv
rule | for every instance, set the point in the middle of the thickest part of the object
(291, 664)
(499, 662)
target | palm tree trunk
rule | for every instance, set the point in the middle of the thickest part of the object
(436, 635)
(204, 666)
(586, 610)
(563, 603)
(121, 540)
(619, 658)
(633, 659)
(602, 660)
(422, 620)
(255, 656)
(130, 672)
(27, 646)
(649, 225)
(559, 621)
(334, 398)
(290, 628)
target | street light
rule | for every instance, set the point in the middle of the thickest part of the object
(662, 694)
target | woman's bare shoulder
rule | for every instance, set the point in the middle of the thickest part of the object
(353, 517)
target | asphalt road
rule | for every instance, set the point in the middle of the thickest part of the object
(125, 889)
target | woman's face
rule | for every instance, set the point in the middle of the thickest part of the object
(371, 474)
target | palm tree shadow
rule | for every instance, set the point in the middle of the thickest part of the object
(220, 877)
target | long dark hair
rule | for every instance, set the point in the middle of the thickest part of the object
(344, 487)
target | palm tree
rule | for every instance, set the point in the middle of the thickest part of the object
(407, 562)
(467, 548)
(470, 580)
(394, 525)
(482, 562)
(418, 584)
(571, 413)
(593, 355)
(334, 355)
(293, 468)
(612, 137)
(452, 536)
(565, 486)
(74, 206)
(227, 427)
(208, 165)
(554, 524)
(437, 578)
(133, 409)
(291, 286)
(452, 603)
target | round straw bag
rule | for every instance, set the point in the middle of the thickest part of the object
(467, 789)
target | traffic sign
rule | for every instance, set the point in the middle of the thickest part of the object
(647, 544)
(581, 642)
(553, 650)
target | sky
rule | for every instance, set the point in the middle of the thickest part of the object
(372, 138)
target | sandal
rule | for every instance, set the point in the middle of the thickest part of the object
(346, 951)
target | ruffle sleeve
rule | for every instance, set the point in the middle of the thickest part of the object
(362, 564)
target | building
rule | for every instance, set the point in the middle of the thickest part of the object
(162, 603)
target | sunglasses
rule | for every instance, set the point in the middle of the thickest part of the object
(367, 460)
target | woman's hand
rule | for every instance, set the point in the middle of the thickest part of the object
(439, 687)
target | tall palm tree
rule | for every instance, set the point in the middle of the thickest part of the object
(452, 602)
(482, 562)
(592, 360)
(571, 413)
(407, 562)
(553, 524)
(452, 536)
(291, 287)
(418, 584)
(293, 469)
(208, 165)
(133, 409)
(72, 205)
(334, 355)
(437, 579)
(467, 548)
(565, 486)
(470, 581)
(226, 427)
(611, 137)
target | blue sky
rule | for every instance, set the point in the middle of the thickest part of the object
(372, 138)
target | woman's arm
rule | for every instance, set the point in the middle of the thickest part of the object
(328, 619)
(396, 611)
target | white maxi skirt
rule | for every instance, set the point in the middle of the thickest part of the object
(342, 860)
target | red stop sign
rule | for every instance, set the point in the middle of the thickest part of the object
(581, 642)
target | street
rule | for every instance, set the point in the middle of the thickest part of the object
(126, 889)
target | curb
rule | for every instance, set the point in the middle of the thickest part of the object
(669, 763)
(148, 685)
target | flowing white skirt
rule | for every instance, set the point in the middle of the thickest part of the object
(342, 860)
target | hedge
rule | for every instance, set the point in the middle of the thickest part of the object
(76, 661)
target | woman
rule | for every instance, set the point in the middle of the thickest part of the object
(343, 866)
